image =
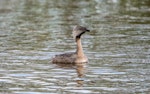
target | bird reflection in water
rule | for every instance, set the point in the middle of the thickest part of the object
(80, 69)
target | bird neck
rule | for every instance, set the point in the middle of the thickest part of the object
(79, 48)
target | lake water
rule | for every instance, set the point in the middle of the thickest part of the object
(118, 46)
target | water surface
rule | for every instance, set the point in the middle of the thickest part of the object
(118, 46)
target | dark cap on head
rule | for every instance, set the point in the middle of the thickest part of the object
(81, 28)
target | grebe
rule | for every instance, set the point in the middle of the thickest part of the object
(73, 57)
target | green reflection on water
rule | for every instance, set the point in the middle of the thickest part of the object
(32, 31)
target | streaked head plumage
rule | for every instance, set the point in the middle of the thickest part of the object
(78, 31)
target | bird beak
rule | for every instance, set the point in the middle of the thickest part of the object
(87, 30)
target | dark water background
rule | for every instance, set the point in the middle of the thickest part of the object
(118, 46)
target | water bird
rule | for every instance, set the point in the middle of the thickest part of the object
(77, 56)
